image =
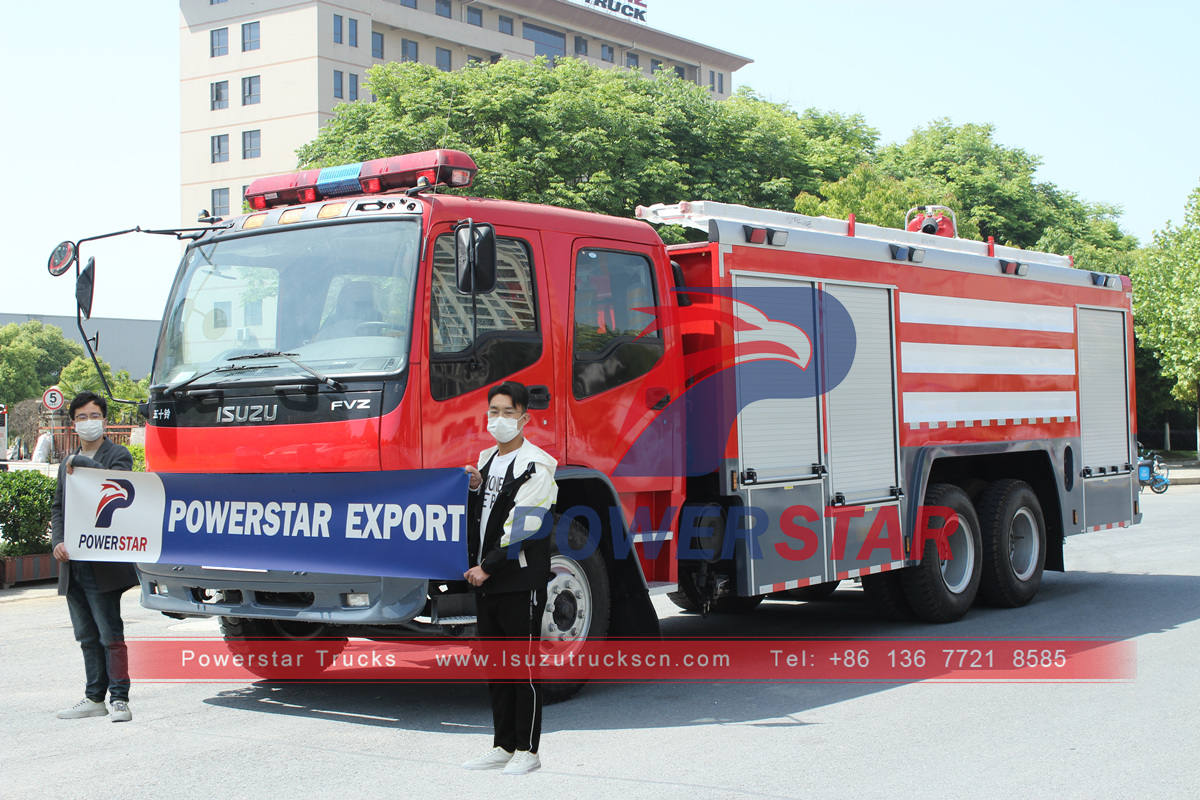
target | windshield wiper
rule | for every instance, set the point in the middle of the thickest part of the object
(332, 383)
(175, 387)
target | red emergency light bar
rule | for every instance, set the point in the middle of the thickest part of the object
(431, 167)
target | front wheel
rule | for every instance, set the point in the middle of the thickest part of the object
(942, 590)
(1160, 486)
(578, 600)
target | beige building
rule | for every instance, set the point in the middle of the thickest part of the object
(259, 77)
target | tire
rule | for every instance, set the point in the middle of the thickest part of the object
(578, 601)
(1159, 488)
(236, 630)
(885, 593)
(820, 591)
(944, 591)
(681, 599)
(1014, 543)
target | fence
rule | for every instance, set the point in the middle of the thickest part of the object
(64, 439)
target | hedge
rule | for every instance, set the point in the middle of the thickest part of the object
(25, 500)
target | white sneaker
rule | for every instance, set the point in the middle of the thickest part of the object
(493, 759)
(120, 711)
(522, 762)
(84, 708)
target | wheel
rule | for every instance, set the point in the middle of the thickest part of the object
(236, 630)
(942, 591)
(1013, 529)
(1160, 487)
(885, 593)
(577, 601)
(820, 591)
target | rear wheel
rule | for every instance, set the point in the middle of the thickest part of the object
(578, 600)
(885, 593)
(1014, 543)
(942, 590)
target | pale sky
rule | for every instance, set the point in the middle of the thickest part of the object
(1104, 92)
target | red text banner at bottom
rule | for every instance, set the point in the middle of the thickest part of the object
(633, 660)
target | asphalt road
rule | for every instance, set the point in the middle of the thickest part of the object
(729, 739)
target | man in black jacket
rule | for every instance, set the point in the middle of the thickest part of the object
(93, 589)
(510, 565)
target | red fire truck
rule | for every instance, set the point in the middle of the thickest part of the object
(789, 404)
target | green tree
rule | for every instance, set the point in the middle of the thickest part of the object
(32, 355)
(80, 376)
(1166, 301)
(595, 139)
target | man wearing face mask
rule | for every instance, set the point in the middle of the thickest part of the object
(510, 565)
(93, 589)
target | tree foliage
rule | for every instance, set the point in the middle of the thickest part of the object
(596, 139)
(32, 355)
(1167, 300)
(80, 375)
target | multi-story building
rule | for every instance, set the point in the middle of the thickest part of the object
(258, 78)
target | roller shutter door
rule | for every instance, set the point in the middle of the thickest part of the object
(1103, 393)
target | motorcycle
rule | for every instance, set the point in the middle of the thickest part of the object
(1152, 472)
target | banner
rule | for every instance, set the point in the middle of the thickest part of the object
(404, 524)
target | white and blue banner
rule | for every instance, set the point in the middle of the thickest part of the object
(407, 524)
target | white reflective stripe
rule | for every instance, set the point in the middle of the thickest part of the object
(654, 536)
(968, 359)
(936, 310)
(947, 406)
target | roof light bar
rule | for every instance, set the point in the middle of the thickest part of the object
(437, 167)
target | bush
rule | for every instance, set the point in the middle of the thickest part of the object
(138, 451)
(25, 500)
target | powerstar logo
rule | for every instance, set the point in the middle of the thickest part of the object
(115, 493)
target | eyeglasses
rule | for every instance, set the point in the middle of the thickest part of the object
(89, 417)
(508, 413)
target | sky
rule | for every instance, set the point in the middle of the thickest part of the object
(1105, 93)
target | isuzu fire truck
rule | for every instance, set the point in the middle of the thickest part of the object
(792, 403)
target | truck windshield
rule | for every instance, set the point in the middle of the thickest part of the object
(337, 297)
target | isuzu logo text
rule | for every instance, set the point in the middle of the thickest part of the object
(254, 412)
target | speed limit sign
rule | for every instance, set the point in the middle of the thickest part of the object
(52, 399)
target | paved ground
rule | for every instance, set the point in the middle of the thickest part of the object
(696, 740)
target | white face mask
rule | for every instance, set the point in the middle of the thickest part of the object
(503, 429)
(90, 429)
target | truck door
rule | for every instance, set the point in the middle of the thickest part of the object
(1104, 417)
(511, 342)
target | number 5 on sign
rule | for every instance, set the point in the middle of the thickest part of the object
(52, 399)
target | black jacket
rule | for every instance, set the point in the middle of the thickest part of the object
(110, 576)
(525, 563)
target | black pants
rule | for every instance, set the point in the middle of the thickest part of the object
(516, 707)
(96, 618)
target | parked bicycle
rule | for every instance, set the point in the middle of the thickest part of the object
(1152, 471)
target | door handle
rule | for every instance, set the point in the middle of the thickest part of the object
(539, 398)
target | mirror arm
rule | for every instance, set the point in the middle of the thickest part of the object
(87, 342)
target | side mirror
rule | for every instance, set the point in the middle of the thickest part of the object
(475, 257)
(61, 258)
(85, 288)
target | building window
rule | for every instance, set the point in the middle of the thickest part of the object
(546, 42)
(376, 44)
(475, 16)
(251, 144)
(580, 46)
(720, 83)
(220, 148)
(353, 86)
(337, 28)
(219, 202)
(250, 36)
(655, 65)
(712, 80)
(505, 25)
(681, 73)
(251, 90)
(337, 83)
(442, 8)
(408, 50)
(215, 2)
(443, 59)
(218, 42)
(409, 3)
(218, 95)
(607, 53)
(252, 312)
(352, 32)
(631, 60)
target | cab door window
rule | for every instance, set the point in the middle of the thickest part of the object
(616, 332)
(507, 337)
